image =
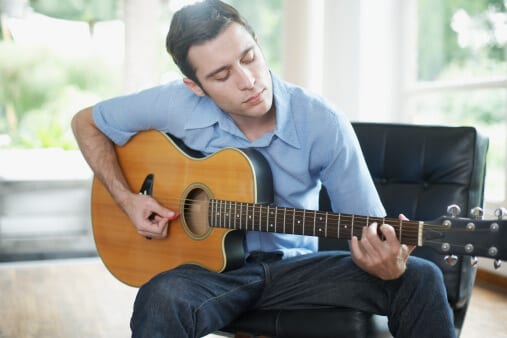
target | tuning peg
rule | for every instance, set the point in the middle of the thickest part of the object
(477, 212)
(451, 260)
(474, 260)
(500, 213)
(497, 263)
(453, 210)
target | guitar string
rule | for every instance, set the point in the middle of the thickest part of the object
(409, 227)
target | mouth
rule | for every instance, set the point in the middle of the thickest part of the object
(254, 99)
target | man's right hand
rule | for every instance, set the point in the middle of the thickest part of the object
(149, 217)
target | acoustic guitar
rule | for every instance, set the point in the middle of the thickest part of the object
(221, 196)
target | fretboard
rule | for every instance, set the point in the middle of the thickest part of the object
(269, 218)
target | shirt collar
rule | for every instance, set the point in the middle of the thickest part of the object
(285, 125)
(285, 122)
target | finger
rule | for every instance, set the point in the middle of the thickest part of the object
(155, 229)
(402, 217)
(163, 220)
(158, 209)
(370, 235)
(389, 233)
(410, 249)
(370, 241)
(355, 249)
(174, 216)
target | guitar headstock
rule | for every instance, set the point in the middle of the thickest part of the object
(452, 235)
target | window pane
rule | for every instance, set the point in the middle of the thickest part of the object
(461, 39)
(484, 109)
(265, 17)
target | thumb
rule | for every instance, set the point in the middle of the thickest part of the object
(162, 211)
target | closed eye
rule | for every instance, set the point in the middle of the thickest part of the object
(249, 57)
(223, 75)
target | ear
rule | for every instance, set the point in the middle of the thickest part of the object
(194, 87)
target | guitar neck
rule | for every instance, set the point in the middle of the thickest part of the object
(269, 218)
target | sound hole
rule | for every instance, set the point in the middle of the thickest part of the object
(196, 212)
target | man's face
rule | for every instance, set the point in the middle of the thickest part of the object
(233, 72)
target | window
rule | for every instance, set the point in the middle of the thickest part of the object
(458, 74)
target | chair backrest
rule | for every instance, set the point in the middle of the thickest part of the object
(419, 171)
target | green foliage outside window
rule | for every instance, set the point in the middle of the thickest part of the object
(463, 41)
(43, 91)
(460, 35)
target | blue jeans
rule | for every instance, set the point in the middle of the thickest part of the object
(190, 301)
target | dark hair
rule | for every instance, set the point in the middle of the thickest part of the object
(195, 24)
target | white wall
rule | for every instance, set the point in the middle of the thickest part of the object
(348, 52)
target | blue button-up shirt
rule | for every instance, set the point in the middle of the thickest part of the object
(312, 144)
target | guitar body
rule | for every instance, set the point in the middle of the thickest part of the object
(178, 179)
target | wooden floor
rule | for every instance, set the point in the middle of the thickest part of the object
(79, 298)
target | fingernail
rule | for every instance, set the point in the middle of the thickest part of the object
(174, 216)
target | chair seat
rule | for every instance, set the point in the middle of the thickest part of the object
(332, 322)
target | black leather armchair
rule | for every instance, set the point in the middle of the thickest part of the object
(418, 171)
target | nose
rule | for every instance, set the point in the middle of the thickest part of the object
(246, 79)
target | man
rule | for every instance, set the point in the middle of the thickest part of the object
(229, 98)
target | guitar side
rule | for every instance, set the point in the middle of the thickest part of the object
(228, 174)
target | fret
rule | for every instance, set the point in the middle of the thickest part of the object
(401, 227)
(314, 220)
(253, 217)
(284, 217)
(339, 224)
(309, 222)
(297, 222)
(216, 213)
(219, 213)
(268, 224)
(210, 213)
(260, 218)
(229, 214)
(352, 227)
(272, 219)
(221, 220)
(276, 216)
(320, 224)
(240, 214)
(259, 223)
(224, 213)
(346, 229)
(293, 220)
(420, 234)
(325, 226)
(246, 217)
(235, 214)
(304, 222)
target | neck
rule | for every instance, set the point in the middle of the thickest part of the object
(254, 127)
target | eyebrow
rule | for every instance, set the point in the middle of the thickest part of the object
(216, 71)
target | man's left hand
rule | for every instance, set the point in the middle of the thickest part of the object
(386, 259)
